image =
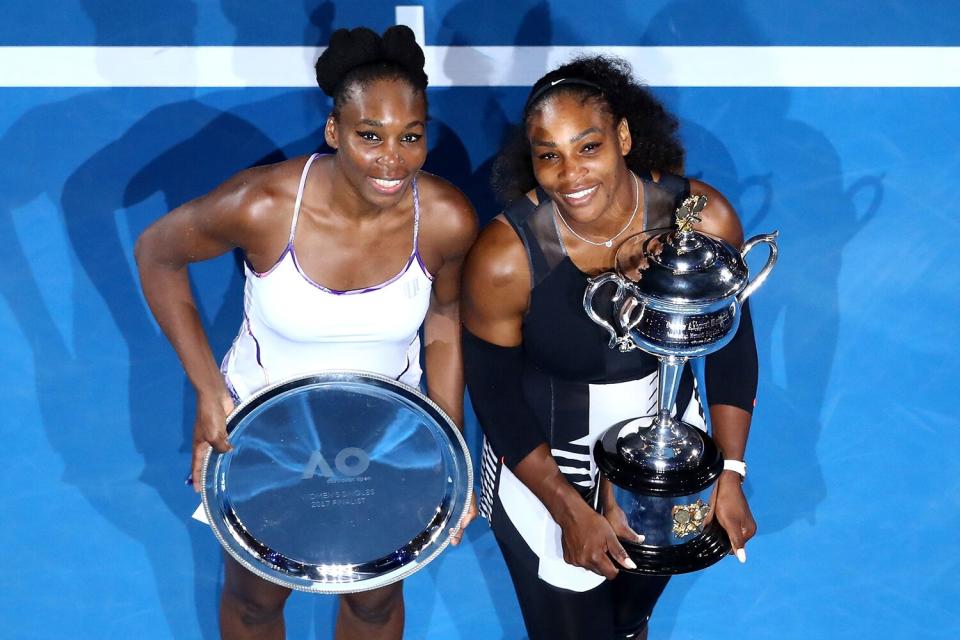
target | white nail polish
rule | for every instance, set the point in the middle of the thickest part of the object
(629, 564)
(741, 555)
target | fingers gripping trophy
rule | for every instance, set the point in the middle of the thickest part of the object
(678, 296)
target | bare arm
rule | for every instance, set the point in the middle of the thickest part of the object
(731, 425)
(454, 231)
(201, 229)
(444, 361)
(495, 298)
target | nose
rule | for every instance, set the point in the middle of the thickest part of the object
(570, 171)
(390, 156)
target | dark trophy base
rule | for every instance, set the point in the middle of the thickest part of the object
(706, 549)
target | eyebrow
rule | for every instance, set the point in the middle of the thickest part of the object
(379, 123)
(580, 136)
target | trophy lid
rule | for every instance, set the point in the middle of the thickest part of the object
(682, 266)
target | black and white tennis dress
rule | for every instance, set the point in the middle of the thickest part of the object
(575, 384)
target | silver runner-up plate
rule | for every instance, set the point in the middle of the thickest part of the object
(337, 482)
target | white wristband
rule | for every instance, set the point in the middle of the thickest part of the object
(736, 465)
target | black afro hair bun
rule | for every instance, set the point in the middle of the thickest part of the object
(396, 50)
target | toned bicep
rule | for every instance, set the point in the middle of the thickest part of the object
(454, 238)
(496, 286)
(202, 228)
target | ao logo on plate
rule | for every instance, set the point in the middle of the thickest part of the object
(349, 462)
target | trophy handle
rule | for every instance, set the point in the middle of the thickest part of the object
(628, 320)
(771, 240)
(616, 340)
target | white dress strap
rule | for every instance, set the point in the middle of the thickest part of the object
(296, 207)
(416, 218)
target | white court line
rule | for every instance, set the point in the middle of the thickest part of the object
(412, 16)
(494, 66)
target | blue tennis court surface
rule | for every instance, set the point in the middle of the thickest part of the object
(853, 456)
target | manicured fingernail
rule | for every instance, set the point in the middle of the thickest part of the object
(741, 555)
(640, 538)
(629, 564)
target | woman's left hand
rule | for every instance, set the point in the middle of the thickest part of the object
(456, 534)
(733, 512)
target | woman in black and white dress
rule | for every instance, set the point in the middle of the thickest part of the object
(592, 168)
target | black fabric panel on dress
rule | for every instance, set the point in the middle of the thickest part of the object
(571, 421)
(517, 214)
(536, 226)
(674, 187)
(559, 337)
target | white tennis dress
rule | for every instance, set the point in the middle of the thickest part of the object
(294, 326)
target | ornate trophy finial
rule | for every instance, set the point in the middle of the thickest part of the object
(689, 212)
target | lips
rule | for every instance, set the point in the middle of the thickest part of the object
(386, 185)
(579, 196)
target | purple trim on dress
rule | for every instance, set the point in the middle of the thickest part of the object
(291, 250)
(233, 392)
(415, 254)
(293, 222)
(264, 274)
(423, 267)
(405, 369)
(416, 231)
(256, 343)
(349, 292)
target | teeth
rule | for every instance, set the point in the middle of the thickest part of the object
(387, 184)
(579, 194)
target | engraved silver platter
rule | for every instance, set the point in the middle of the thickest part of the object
(337, 482)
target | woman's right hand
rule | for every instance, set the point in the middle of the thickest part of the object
(614, 514)
(209, 430)
(589, 541)
(240, 213)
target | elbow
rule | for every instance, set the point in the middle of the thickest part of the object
(141, 249)
(146, 253)
(144, 247)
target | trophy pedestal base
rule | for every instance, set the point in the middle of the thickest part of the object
(706, 549)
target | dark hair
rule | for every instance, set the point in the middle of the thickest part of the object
(356, 57)
(608, 81)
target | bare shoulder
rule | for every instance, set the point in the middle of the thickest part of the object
(250, 210)
(253, 199)
(496, 278)
(498, 254)
(719, 218)
(448, 217)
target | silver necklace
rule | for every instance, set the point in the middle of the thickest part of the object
(609, 241)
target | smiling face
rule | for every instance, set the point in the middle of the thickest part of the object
(380, 138)
(578, 158)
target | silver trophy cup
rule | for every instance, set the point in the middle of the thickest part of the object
(678, 296)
